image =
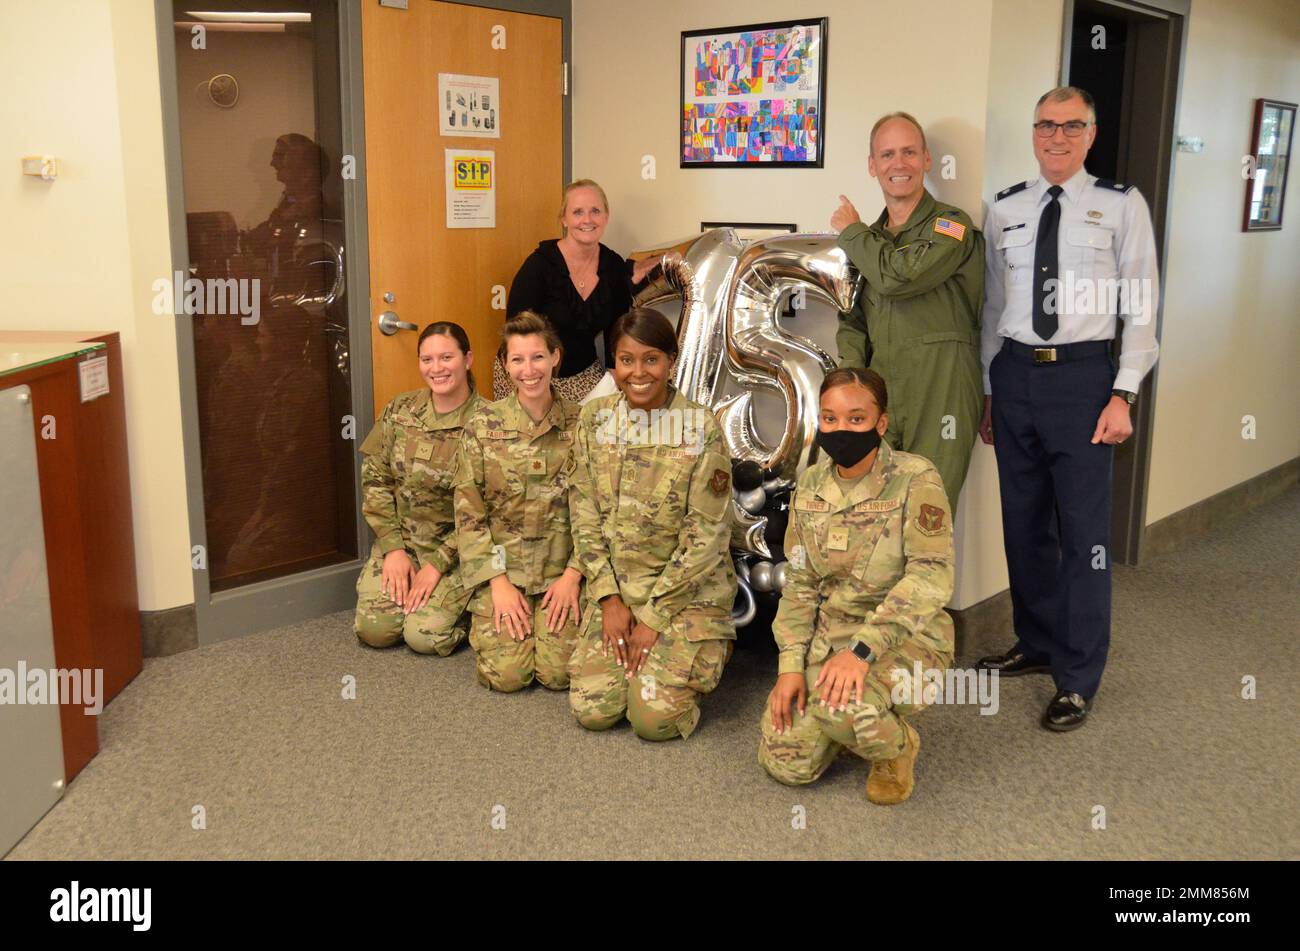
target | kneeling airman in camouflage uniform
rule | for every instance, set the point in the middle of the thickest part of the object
(410, 588)
(512, 518)
(650, 500)
(870, 555)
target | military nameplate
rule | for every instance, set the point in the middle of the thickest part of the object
(878, 505)
(811, 505)
(498, 434)
(838, 540)
(929, 521)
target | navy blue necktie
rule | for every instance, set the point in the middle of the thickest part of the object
(1045, 268)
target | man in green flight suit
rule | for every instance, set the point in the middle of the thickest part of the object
(917, 320)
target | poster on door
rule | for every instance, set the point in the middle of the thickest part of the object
(471, 188)
(469, 105)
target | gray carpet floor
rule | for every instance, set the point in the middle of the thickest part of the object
(426, 764)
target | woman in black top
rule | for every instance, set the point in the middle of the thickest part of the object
(580, 285)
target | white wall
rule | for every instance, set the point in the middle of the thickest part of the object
(879, 59)
(1230, 345)
(80, 80)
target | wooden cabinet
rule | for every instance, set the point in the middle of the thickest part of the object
(81, 456)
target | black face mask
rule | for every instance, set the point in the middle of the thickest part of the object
(848, 447)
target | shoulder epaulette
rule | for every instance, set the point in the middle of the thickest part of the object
(1008, 192)
(1113, 186)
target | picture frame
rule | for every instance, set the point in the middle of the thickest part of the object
(754, 96)
(1271, 137)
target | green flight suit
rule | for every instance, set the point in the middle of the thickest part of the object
(917, 324)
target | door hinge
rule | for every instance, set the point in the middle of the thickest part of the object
(566, 79)
(395, 4)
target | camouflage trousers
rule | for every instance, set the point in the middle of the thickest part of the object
(437, 628)
(871, 729)
(662, 700)
(508, 665)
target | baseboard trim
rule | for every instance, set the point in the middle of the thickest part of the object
(1174, 531)
(169, 632)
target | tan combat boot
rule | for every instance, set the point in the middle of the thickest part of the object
(891, 780)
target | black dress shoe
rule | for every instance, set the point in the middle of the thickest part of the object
(1066, 712)
(1014, 663)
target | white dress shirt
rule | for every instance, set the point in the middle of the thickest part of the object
(1106, 265)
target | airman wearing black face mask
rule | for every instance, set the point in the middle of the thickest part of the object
(870, 568)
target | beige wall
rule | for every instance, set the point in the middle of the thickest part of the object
(864, 63)
(1230, 345)
(80, 80)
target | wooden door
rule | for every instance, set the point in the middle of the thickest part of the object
(434, 272)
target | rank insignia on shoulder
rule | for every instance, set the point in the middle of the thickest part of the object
(720, 481)
(1113, 186)
(930, 520)
(1008, 192)
(952, 229)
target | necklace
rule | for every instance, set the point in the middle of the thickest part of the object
(584, 275)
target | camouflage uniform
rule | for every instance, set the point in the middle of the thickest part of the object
(875, 565)
(512, 518)
(406, 497)
(651, 510)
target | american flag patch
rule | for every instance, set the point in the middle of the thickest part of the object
(952, 229)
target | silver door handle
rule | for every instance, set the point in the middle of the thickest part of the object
(389, 324)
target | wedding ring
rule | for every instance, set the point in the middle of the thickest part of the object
(620, 642)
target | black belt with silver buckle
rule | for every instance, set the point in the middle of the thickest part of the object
(1061, 353)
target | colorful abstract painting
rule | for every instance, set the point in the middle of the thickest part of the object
(752, 96)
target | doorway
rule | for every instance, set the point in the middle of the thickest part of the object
(1129, 56)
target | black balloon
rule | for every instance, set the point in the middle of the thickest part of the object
(777, 520)
(746, 475)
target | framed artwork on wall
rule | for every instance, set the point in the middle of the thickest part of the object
(1269, 164)
(754, 96)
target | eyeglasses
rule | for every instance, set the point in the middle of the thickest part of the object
(1074, 128)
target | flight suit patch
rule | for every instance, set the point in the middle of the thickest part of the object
(953, 229)
(720, 480)
(838, 539)
(929, 521)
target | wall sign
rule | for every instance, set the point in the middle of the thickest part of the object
(469, 106)
(471, 188)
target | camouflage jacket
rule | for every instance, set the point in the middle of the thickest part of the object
(407, 475)
(875, 565)
(650, 501)
(512, 494)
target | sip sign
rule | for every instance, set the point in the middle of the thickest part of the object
(471, 188)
